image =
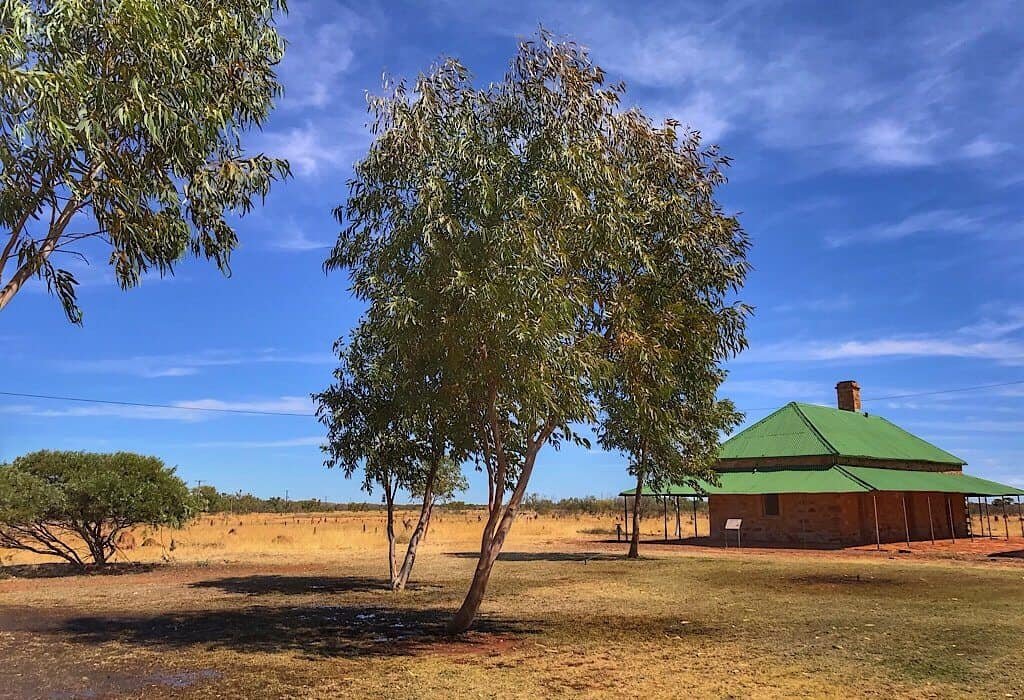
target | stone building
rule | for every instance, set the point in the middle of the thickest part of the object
(814, 475)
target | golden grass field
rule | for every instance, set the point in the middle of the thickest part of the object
(295, 606)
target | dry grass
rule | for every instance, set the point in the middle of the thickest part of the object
(322, 536)
(248, 614)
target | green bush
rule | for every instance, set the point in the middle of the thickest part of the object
(50, 499)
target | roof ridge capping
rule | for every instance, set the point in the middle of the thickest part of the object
(802, 429)
(831, 448)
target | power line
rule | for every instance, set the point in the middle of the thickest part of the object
(137, 404)
(977, 387)
(947, 391)
(245, 412)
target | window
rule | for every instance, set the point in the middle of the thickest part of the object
(771, 504)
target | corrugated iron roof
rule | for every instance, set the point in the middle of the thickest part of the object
(766, 480)
(934, 482)
(838, 479)
(802, 430)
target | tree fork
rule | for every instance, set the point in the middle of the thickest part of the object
(493, 541)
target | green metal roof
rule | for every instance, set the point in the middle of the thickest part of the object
(766, 480)
(935, 482)
(803, 430)
(838, 479)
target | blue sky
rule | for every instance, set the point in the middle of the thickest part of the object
(875, 169)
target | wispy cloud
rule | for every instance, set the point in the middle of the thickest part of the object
(900, 101)
(292, 238)
(972, 425)
(1008, 352)
(311, 149)
(928, 223)
(175, 411)
(756, 397)
(321, 51)
(280, 404)
(185, 364)
(1000, 322)
(989, 338)
(317, 74)
(841, 301)
(309, 441)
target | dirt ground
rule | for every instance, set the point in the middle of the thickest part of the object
(261, 613)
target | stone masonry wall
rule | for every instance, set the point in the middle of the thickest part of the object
(838, 518)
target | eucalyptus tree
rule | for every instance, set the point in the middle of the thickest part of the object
(438, 478)
(121, 128)
(394, 433)
(666, 306)
(496, 234)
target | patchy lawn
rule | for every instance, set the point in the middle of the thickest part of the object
(562, 617)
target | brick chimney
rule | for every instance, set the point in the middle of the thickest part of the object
(848, 395)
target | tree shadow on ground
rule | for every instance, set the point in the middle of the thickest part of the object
(1012, 554)
(293, 585)
(545, 556)
(60, 570)
(310, 631)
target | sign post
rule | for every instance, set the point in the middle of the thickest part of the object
(733, 524)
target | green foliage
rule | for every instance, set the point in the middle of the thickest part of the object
(49, 497)
(122, 123)
(550, 260)
(448, 481)
(389, 424)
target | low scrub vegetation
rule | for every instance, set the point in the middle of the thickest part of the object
(59, 503)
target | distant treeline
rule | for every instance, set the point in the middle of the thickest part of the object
(214, 501)
(589, 505)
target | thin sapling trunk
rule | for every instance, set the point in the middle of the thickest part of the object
(634, 541)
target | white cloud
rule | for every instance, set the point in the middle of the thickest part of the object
(987, 223)
(310, 441)
(292, 238)
(974, 425)
(825, 304)
(107, 411)
(185, 364)
(320, 52)
(176, 411)
(891, 142)
(984, 147)
(994, 336)
(904, 99)
(790, 389)
(282, 404)
(1008, 320)
(1008, 352)
(307, 148)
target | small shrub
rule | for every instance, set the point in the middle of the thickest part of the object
(51, 500)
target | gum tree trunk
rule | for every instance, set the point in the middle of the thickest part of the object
(389, 498)
(489, 551)
(634, 541)
(499, 520)
(426, 509)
